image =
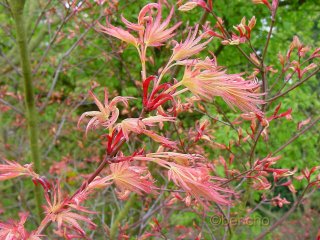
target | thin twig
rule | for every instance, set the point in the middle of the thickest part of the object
(284, 217)
(10, 63)
(294, 86)
(58, 70)
(226, 33)
(296, 136)
(226, 218)
(268, 39)
(54, 38)
(179, 137)
(39, 19)
(11, 106)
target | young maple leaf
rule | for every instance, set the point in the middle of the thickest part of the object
(139, 126)
(130, 178)
(13, 169)
(108, 112)
(62, 210)
(15, 230)
(190, 46)
(150, 29)
(207, 80)
(195, 181)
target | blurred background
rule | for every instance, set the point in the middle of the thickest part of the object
(69, 57)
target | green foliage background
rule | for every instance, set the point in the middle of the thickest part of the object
(108, 62)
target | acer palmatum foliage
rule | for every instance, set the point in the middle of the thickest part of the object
(161, 150)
